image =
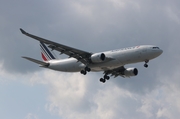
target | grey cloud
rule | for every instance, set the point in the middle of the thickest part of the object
(100, 28)
(96, 26)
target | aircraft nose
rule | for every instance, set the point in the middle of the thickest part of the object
(160, 51)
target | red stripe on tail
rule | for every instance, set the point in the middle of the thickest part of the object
(43, 57)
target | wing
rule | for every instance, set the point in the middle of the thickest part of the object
(116, 72)
(80, 55)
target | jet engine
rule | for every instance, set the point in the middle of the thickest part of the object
(98, 57)
(130, 72)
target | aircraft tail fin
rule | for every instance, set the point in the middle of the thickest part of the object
(46, 53)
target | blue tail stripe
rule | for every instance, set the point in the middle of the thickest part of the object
(45, 53)
(46, 49)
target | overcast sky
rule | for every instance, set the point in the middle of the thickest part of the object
(30, 92)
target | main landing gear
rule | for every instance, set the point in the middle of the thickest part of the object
(103, 80)
(146, 65)
(86, 69)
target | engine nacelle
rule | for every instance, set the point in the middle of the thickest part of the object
(130, 72)
(98, 57)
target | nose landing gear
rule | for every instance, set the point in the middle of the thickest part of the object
(146, 65)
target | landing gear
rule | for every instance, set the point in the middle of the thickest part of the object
(103, 80)
(146, 65)
(106, 77)
(86, 69)
(83, 72)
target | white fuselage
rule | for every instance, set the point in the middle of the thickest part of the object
(119, 58)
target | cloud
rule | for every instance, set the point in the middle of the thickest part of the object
(96, 26)
(111, 24)
(72, 98)
(31, 116)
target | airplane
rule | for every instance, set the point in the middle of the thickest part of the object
(110, 62)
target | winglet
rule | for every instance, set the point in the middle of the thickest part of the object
(22, 31)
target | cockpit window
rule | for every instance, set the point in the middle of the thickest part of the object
(155, 47)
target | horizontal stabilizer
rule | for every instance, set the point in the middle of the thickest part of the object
(37, 61)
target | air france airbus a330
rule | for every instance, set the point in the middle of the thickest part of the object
(110, 62)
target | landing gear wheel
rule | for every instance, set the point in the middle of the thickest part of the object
(106, 77)
(146, 65)
(102, 80)
(83, 72)
(87, 69)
